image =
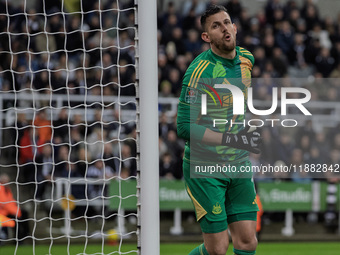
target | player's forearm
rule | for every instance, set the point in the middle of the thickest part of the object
(212, 137)
(187, 128)
(190, 131)
(199, 133)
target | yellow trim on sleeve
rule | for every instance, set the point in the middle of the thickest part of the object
(246, 67)
(246, 61)
(193, 73)
(196, 74)
(199, 75)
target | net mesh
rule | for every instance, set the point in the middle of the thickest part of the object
(68, 124)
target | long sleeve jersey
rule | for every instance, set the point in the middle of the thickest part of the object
(201, 77)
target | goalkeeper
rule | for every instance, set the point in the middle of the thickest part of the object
(220, 202)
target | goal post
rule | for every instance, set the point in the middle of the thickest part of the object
(148, 101)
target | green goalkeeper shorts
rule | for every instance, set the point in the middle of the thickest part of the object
(219, 202)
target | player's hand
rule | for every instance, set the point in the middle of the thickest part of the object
(248, 139)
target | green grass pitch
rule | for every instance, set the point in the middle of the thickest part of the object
(326, 248)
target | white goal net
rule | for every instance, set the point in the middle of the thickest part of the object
(68, 126)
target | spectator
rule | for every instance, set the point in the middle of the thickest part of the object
(181, 64)
(164, 126)
(305, 146)
(192, 43)
(322, 35)
(62, 161)
(268, 44)
(268, 151)
(294, 17)
(321, 142)
(171, 10)
(127, 77)
(74, 40)
(9, 208)
(271, 7)
(234, 8)
(58, 83)
(335, 52)
(244, 21)
(169, 26)
(297, 53)
(285, 37)
(99, 171)
(8, 205)
(174, 146)
(43, 126)
(260, 56)
(45, 171)
(165, 90)
(162, 147)
(163, 67)
(285, 148)
(41, 81)
(30, 148)
(128, 162)
(310, 15)
(167, 166)
(96, 141)
(61, 125)
(78, 124)
(189, 21)
(336, 142)
(335, 74)
(176, 81)
(197, 6)
(44, 40)
(109, 157)
(21, 77)
(177, 39)
(324, 62)
(279, 62)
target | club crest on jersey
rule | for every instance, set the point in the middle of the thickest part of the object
(191, 95)
(217, 209)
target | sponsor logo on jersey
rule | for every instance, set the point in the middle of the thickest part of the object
(255, 201)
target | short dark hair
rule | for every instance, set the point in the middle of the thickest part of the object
(212, 9)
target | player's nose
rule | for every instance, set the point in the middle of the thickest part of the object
(224, 28)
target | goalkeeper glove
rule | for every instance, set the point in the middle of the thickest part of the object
(248, 139)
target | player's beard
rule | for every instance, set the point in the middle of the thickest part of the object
(225, 46)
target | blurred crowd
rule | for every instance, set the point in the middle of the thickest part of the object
(49, 52)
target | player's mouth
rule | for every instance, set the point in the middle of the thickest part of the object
(227, 37)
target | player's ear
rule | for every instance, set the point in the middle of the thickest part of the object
(205, 37)
(235, 28)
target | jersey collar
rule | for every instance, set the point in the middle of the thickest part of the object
(226, 61)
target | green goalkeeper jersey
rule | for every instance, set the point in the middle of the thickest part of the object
(207, 70)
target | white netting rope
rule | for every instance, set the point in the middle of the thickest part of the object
(68, 122)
